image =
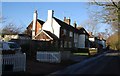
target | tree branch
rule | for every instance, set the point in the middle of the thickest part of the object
(114, 4)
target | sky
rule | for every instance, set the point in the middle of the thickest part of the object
(21, 13)
(57, 0)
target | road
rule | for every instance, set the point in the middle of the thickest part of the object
(106, 63)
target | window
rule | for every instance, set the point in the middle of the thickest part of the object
(65, 44)
(70, 45)
(65, 31)
(70, 34)
(76, 44)
(61, 44)
(75, 37)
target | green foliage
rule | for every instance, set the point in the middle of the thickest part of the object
(85, 51)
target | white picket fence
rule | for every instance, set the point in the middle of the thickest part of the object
(52, 57)
(17, 60)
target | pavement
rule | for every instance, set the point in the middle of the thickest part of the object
(103, 64)
(106, 63)
(34, 67)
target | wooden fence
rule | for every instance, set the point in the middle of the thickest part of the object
(17, 60)
(52, 57)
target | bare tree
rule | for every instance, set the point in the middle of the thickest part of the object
(11, 29)
(110, 13)
(91, 24)
(2, 19)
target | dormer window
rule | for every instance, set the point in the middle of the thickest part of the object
(70, 44)
(65, 44)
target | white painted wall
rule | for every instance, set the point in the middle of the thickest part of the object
(55, 28)
(51, 25)
(92, 39)
(81, 43)
(9, 37)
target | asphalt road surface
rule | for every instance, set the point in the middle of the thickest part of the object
(105, 64)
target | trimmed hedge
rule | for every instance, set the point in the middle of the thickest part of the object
(88, 51)
(81, 50)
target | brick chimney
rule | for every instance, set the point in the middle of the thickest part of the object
(67, 20)
(74, 24)
(90, 33)
(34, 23)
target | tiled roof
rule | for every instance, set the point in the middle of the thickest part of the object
(64, 25)
(48, 33)
(40, 21)
(51, 34)
(82, 30)
(79, 30)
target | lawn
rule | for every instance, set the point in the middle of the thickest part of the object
(80, 54)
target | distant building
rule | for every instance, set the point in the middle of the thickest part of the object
(16, 36)
(97, 41)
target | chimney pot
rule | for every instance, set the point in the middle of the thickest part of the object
(67, 20)
(75, 25)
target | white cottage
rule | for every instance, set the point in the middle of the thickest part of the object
(61, 35)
